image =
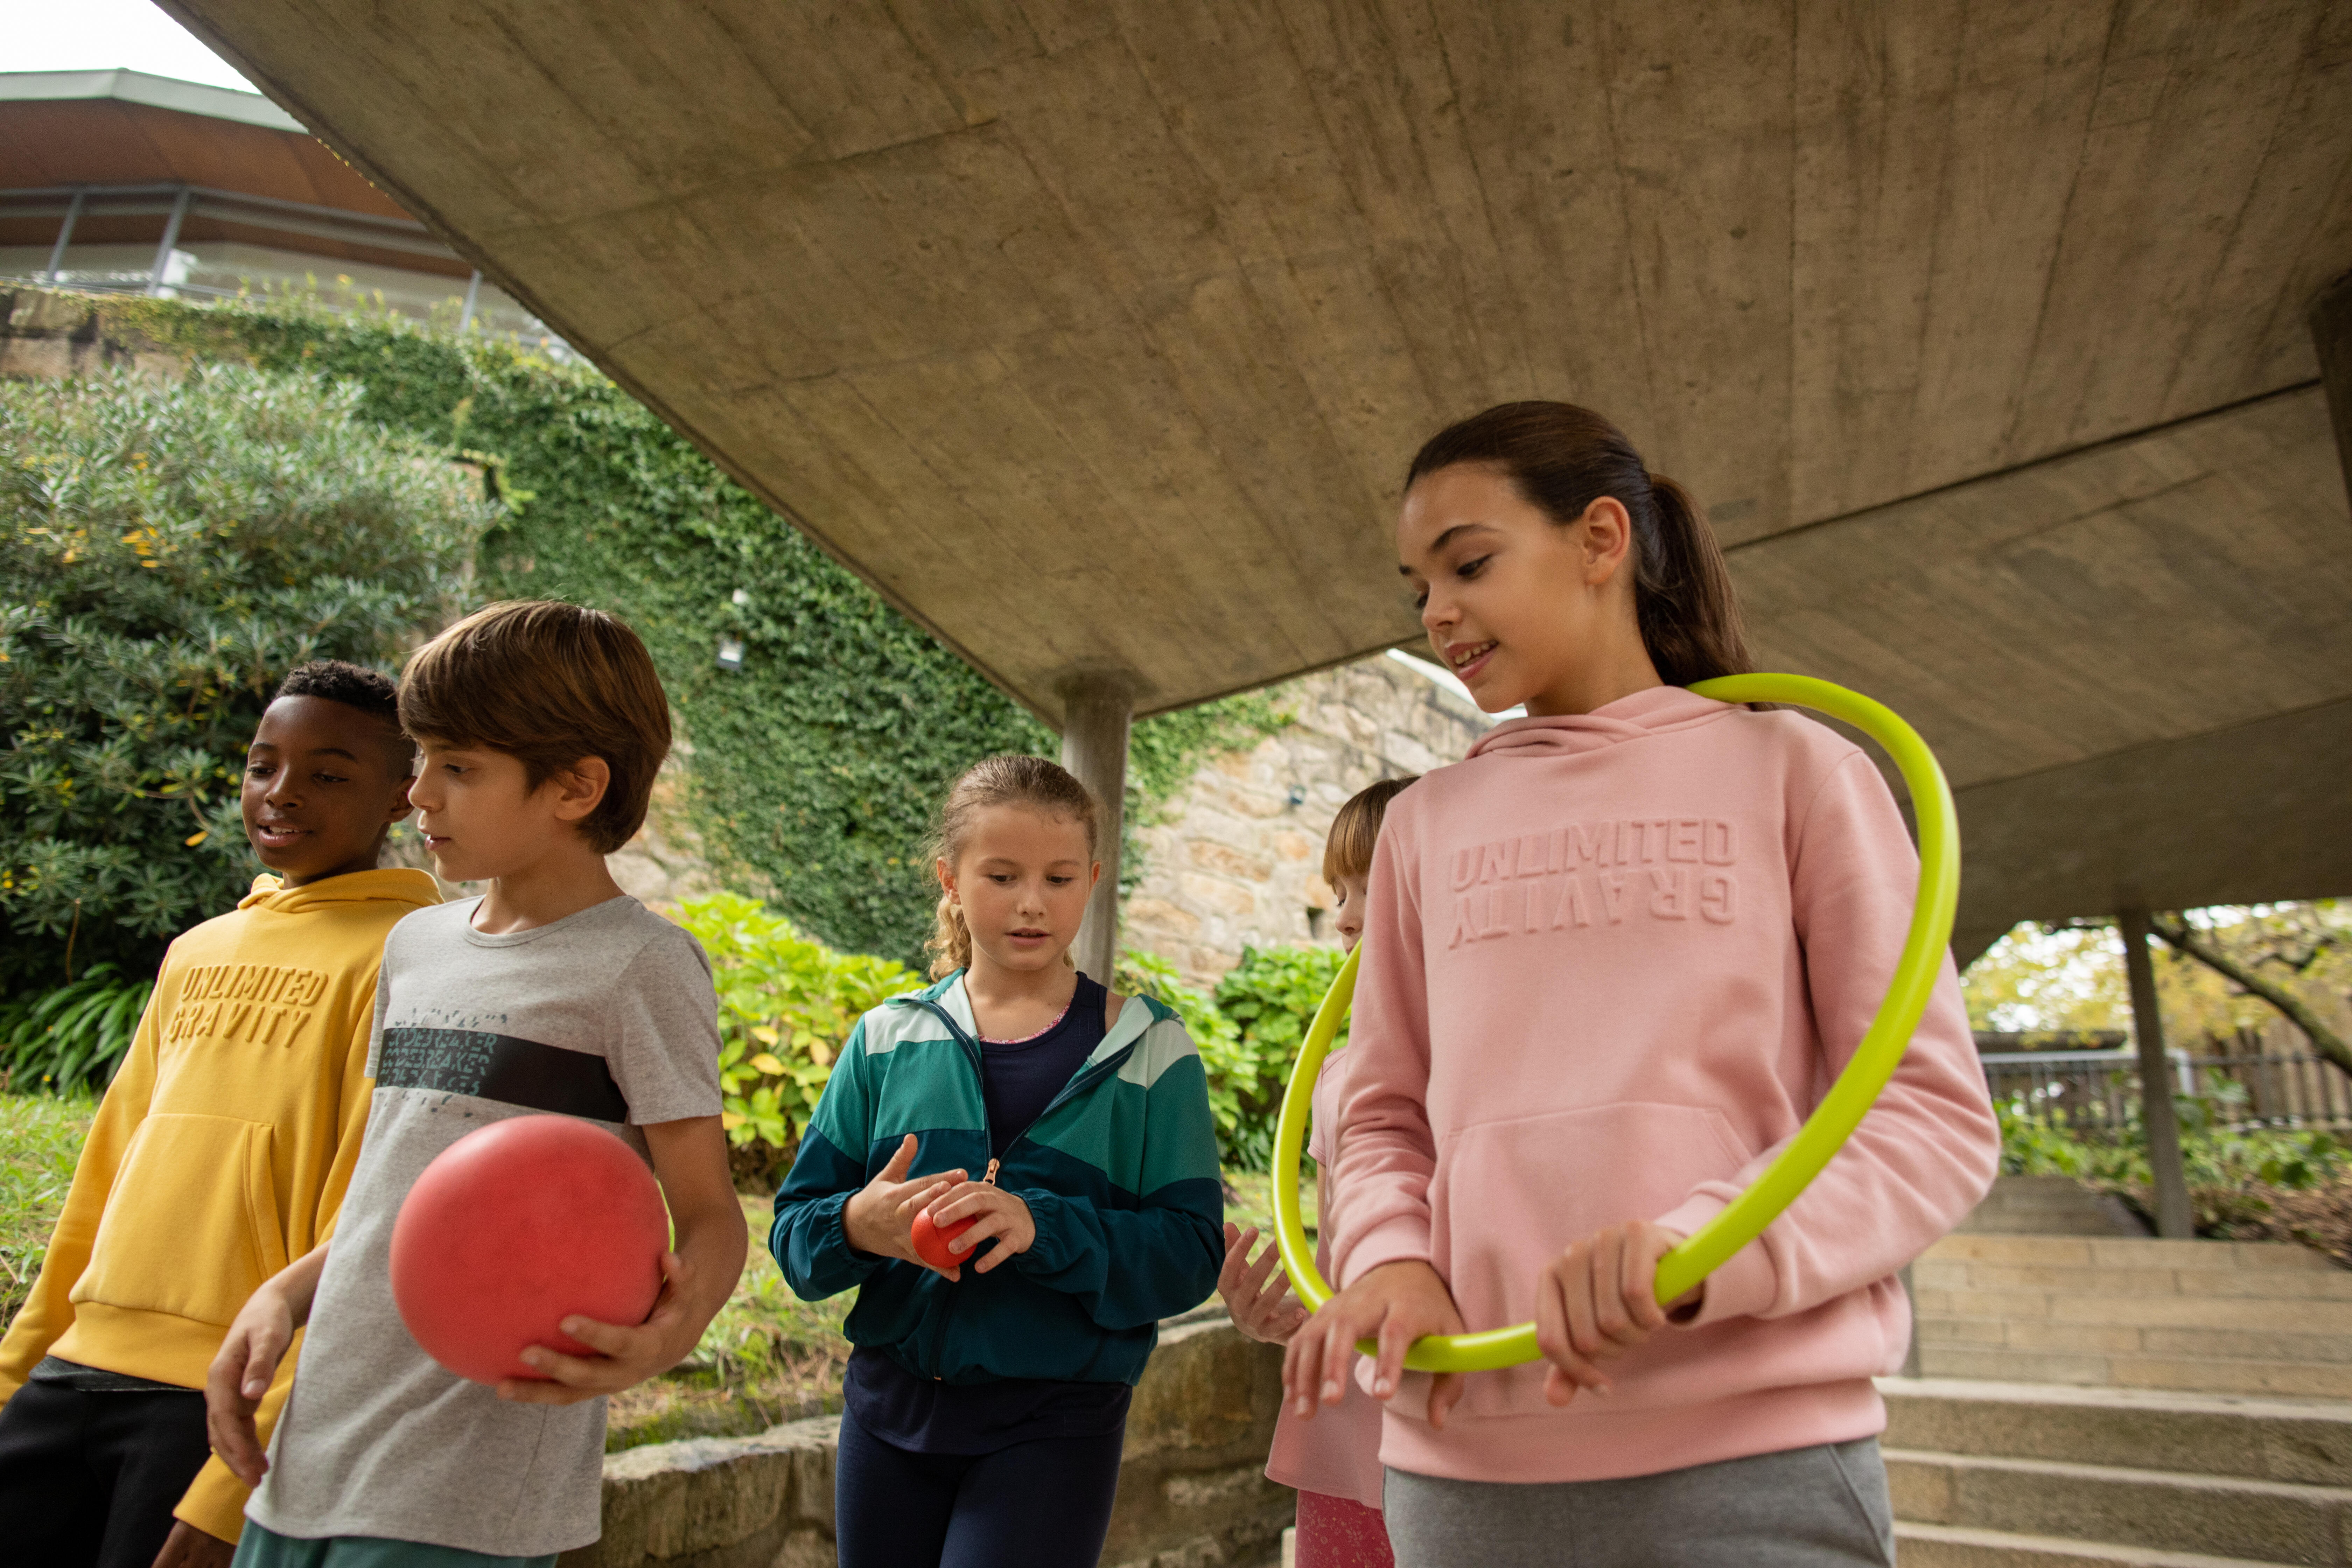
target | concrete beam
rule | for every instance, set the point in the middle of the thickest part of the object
(1099, 710)
(2331, 335)
(2173, 1216)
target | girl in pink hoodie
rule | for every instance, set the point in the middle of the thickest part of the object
(1333, 1463)
(1611, 961)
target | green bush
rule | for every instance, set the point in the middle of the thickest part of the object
(2232, 1174)
(171, 552)
(815, 766)
(71, 1038)
(786, 1006)
(1271, 997)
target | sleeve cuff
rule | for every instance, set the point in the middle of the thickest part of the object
(215, 1502)
(1403, 1239)
(1744, 1286)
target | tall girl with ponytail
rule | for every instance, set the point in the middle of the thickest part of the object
(986, 1401)
(1610, 964)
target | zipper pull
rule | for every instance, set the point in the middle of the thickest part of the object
(990, 1179)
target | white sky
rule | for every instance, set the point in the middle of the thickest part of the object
(104, 35)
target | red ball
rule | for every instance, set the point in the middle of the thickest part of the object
(516, 1227)
(931, 1242)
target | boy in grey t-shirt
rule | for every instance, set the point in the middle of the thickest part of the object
(541, 726)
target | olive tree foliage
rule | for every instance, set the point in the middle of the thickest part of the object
(171, 550)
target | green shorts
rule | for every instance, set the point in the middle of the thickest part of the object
(261, 1548)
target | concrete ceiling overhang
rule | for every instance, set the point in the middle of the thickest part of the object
(1096, 336)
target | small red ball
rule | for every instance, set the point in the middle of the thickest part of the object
(515, 1227)
(931, 1242)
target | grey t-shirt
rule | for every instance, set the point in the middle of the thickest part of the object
(606, 1015)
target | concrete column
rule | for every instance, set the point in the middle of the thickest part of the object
(2172, 1212)
(1097, 711)
(2331, 333)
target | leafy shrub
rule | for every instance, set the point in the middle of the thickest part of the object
(2232, 1175)
(1271, 997)
(70, 1039)
(171, 551)
(786, 1006)
(817, 764)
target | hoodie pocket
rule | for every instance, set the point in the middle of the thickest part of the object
(192, 1224)
(1511, 1196)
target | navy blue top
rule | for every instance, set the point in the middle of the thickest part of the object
(925, 1416)
(1021, 1078)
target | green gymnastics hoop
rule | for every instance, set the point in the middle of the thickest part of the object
(1823, 1133)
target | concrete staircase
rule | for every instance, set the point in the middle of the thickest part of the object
(2004, 1475)
(2093, 1396)
(2252, 1317)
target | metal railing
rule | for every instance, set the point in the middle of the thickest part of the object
(2098, 1091)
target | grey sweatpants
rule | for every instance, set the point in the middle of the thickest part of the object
(1824, 1507)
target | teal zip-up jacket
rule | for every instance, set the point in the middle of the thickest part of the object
(1120, 1173)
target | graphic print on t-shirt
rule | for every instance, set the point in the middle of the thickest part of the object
(1663, 868)
(502, 1067)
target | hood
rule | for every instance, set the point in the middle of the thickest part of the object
(1135, 1017)
(399, 885)
(1654, 712)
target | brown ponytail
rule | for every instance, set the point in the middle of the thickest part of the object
(1562, 459)
(1012, 780)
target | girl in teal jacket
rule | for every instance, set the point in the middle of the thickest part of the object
(986, 1401)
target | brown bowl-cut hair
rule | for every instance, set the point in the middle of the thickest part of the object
(549, 684)
(1356, 831)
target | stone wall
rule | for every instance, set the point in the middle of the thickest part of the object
(1192, 1491)
(1235, 860)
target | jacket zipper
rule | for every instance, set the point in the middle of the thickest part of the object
(1085, 1079)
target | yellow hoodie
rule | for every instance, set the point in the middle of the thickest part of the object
(223, 1147)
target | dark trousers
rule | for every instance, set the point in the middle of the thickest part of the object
(1044, 1504)
(89, 1481)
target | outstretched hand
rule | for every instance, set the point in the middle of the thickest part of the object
(1396, 1304)
(880, 1217)
(1256, 1291)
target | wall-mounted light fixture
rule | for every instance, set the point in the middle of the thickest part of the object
(731, 653)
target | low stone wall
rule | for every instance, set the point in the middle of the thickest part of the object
(1192, 1491)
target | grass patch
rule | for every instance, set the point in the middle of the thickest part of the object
(40, 1139)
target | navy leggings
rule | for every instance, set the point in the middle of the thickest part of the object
(1044, 1504)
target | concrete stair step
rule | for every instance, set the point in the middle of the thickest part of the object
(2292, 1380)
(2259, 1520)
(1943, 1546)
(2051, 1205)
(2128, 1252)
(2126, 1339)
(2301, 1441)
(2270, 1314)
(1933, 1273)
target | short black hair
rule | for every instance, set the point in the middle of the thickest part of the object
(371, 691)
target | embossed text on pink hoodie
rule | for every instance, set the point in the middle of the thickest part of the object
(1611, 963)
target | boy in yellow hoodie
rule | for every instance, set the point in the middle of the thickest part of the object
(220, 1153)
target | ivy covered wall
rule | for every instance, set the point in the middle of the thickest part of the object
(813, 768)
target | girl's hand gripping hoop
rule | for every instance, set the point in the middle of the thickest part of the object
(1824, 1131)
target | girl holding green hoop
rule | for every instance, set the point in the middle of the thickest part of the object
(1611, 963)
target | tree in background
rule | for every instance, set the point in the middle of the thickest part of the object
(2221, 970)
(171, 552)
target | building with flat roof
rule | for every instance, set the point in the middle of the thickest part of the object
(118, 181)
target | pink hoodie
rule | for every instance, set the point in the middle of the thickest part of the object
(1611, 963)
